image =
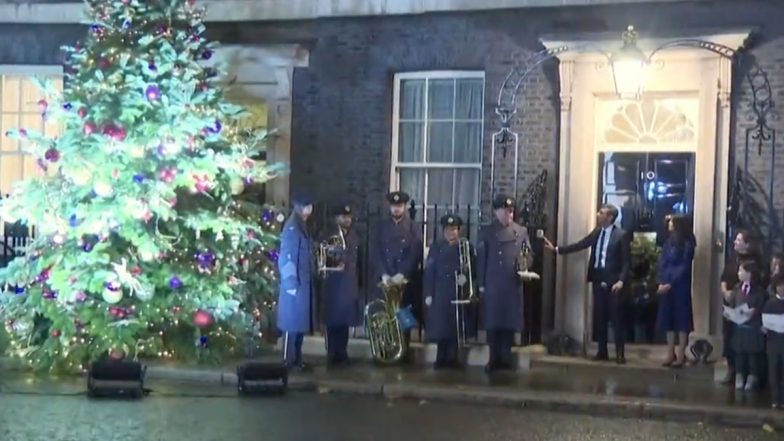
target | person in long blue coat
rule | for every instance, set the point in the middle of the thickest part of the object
(340, 294)
(674, 290)
(295, 267)
(441, 273)
(397, 249)
(500, 287)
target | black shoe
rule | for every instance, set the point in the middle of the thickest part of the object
(507, 366)
(776, 406)
(601, 357)
(620, 359)
(490, 367)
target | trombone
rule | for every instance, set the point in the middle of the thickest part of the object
(464, 289)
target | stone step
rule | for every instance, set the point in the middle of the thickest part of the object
(634, 366)
(420, 353)
(641, 359)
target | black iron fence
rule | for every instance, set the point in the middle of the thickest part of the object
(16, 236)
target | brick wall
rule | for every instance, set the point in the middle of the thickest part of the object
(343, 101)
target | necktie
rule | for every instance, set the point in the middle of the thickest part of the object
(746, 289)
(600, 250)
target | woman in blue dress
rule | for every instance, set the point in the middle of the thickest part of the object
(674, 290)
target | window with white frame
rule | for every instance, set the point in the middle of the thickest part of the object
(437, 138)
(19, 108)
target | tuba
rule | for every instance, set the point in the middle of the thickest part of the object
(330, 253)
(382, 323)
(464, 289)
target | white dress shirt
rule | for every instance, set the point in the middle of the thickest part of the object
(601, 245)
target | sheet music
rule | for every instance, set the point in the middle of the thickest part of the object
(739, 315)
(774, 322)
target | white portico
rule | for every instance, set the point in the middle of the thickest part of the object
(261, 78)
(684, 109)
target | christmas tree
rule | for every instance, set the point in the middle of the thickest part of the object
(141, 248)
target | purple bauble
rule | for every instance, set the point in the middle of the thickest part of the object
(175, 283)
(206, 54)
(113, 286)
(153, 92)
(216, 128)
(205, 259)
(273, 255)
(267, 216)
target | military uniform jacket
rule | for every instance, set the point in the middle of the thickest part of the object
(340, 294)
(497, 252)
(294, 266)
(398, 249)
(443, 261)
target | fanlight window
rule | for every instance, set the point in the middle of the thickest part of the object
(649, 121)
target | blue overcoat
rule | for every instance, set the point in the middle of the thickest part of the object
(398, 248)
(295, 264)
(497, 251)
(443, 261)
(675, 269)
(340, 296)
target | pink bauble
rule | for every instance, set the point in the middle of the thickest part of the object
(117, 354)
(202, 319)
(89, 128)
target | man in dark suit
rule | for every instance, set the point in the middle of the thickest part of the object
(608, 271)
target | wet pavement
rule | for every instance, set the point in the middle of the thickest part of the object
(595, 379)
(56, 410)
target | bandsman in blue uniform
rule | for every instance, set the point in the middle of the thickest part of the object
(442, 270)
(500, 287)
(397, 249)
(340, 294)
(295, 264)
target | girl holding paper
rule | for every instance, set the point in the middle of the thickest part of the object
(774, 312)
(748, 341)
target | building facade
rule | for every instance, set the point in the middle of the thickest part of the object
(376, 95)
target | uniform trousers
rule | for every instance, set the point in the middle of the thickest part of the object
(500, 342)
(337, 343)
(292, 348)
(447, 352)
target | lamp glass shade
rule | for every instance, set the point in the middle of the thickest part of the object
(629, 70)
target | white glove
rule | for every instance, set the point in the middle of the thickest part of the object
(291, 292)
(385, 278)
(428, 300)
(481, 289)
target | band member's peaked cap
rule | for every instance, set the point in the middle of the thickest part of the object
(301, 200)
(503, 201)
(398, 197)
(342, 209)
(451, 220)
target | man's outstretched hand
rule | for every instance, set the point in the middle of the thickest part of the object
(548, 245)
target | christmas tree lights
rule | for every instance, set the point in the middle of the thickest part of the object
(144, 247)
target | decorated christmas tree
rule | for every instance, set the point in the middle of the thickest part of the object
(142, 248)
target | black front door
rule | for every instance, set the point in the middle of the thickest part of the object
(646, 187)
